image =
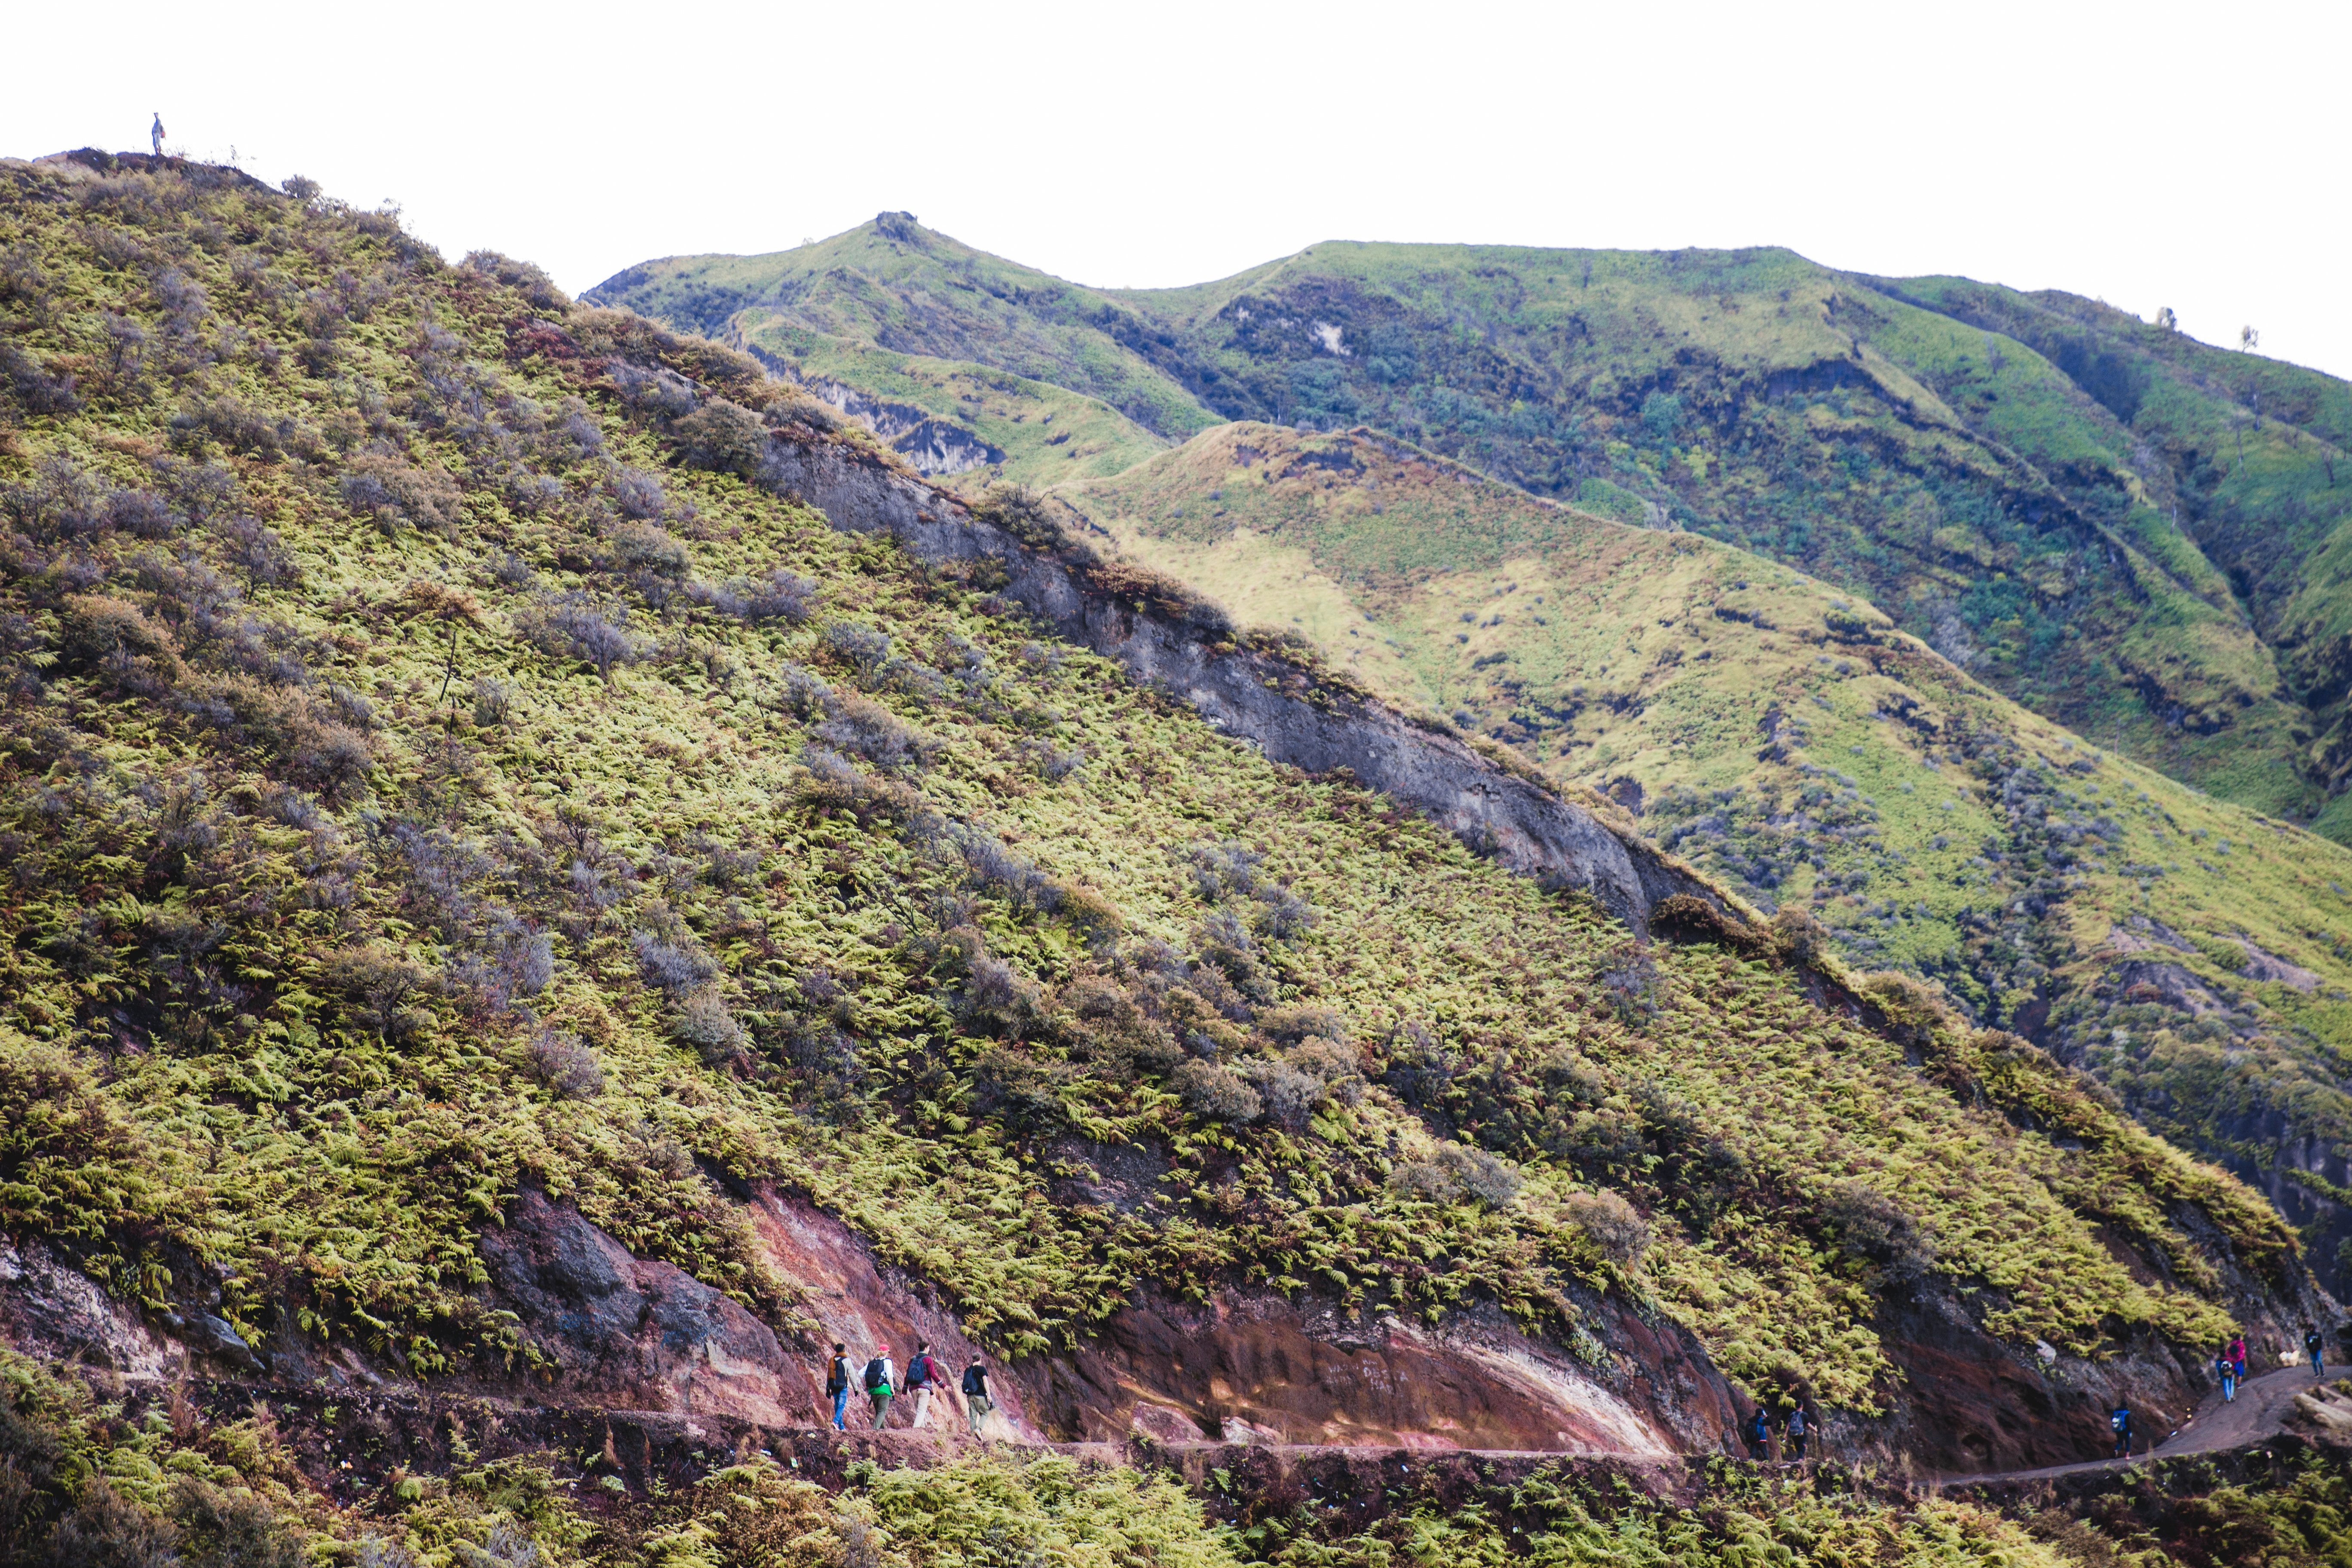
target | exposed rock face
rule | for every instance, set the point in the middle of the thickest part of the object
(58, 1314)
(1522, 823)
(862, 1303)
(635, 1333)
(1253, 1367)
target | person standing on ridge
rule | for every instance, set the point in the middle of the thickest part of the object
(1794, 1434)
(2121, 1421)
(156, 133)
(836, 1385)
(879, 1375)
(2227, 1370)
(2313, 1345)
(922, 1378)
(976, 1402)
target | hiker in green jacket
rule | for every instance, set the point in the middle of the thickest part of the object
(881, 1378)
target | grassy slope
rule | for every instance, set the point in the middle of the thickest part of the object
(309, 960)
(907, 288)
(1876, 434)
(1618, 657)
(2250, 453)
(1049, 434)
(1765, 400)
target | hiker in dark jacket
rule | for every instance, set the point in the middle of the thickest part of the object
(881, 1380)
(2313, 1345)
(2121, 1422)
(1759, 1435)
(976, 1402)
(836, 1385)
(923, 1379)
(1794, 1434)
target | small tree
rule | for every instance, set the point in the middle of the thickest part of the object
(452, 608)
(2249, 340)
(2165, 321)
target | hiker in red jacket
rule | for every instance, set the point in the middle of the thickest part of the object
(923, 1380)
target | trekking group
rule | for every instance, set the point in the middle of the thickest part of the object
(1795, 1428)
(880, 1381)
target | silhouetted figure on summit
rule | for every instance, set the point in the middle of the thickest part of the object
(156, 133)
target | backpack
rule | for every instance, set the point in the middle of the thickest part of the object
(2120, 1420)
(877, 1376)
(836, 1376)
(1796, 1423)
(975, 1380)
(920, 1372)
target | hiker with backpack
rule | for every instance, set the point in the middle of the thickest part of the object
(836, 1385)
(922, 1378)
(2121, 1421)
(881, 1380)
(2227, 1370)
(1794, 1434)
(2313, 1345)
(976, 1402)
(1759, 1435)
(2238, 1355)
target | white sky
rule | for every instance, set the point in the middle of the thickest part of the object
(2152, 154)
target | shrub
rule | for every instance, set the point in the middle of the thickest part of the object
(381, 981)
(576, 626)
(705, 1022)
(1023, 513)
(1287, 1096)
(1217, 1093)
(1485, 1179)
(567, 1067)
(494, 701)
(639, 494)
(725, 437)
(1632, 982)
(398, 494)
(526, 279)
(1871, 1226)
(648, 547)
(862, 727)
(780, 595)
(1615, 1225)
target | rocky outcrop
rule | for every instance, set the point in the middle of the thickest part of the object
(1286, 712)
(632, 1332)
(1250, 1366)
(58, 1314)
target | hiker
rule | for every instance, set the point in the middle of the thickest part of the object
(1759, 1435)
(879, 1375)
(156, 133)
(922, 1378)
(2227, 1370)
(2121, 1422)
(2238, 1355)
(836, 1385)
(976, 1402)
(2312, 1343)
(1794, 1433)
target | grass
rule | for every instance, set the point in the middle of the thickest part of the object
(2132, 534)
(1792, 741)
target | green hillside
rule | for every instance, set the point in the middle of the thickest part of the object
(2021, 511)
(989, 425)
(441, 761)
(1792, 741)
(899, 286)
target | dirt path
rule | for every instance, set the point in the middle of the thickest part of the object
(2260, 1410)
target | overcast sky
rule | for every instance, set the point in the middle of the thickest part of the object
(2145, 154)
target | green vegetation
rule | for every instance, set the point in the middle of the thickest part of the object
(2128, 532)
(1044, 435)
(1791, 742)
(434, 764)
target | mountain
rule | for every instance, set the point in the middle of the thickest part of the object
(550, 880)
(2126, 531)
(2019, 482)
